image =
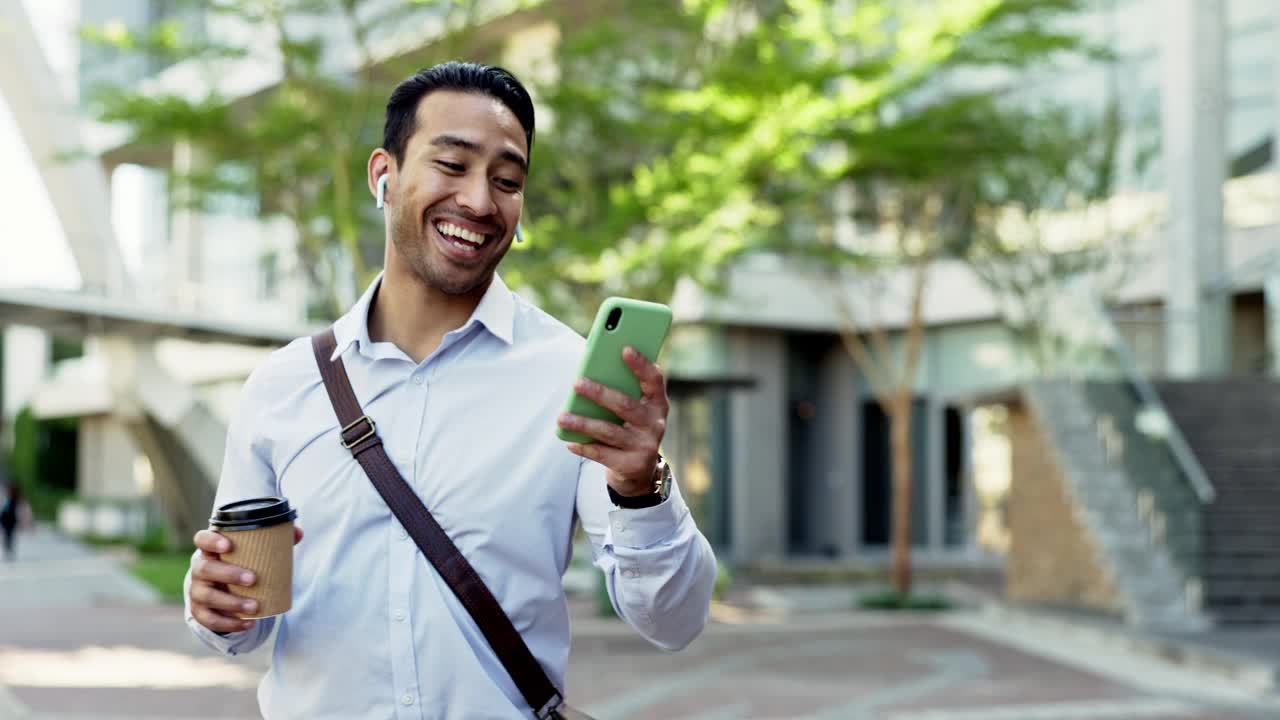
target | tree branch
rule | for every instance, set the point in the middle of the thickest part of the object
(915, 325)
(881, 385)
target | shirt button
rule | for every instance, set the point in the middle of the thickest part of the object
(407, 699)
(619, 526)
(399, 615)
(630, 573)
(417, 378)
(403, 535)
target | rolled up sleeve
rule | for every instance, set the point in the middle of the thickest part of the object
(659, 569)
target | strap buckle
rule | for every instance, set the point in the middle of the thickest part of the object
(550, 711)
(373, 430)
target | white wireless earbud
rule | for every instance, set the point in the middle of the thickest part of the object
(382, 190)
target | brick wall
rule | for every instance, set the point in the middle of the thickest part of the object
(1052, 559)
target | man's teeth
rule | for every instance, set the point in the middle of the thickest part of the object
(455, 231)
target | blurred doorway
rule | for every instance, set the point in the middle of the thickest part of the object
(813, 422)
(938, 502)
(698, 444)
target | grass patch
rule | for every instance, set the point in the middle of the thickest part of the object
(103, 541)
(164, 572)
(724, 580)
(892, 600)
(154, 540)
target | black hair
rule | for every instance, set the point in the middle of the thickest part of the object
(402, 106)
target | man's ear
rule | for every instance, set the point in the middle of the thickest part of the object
(381, 172)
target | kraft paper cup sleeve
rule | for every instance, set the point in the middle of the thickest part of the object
(268, 552)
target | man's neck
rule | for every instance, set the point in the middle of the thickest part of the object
(414, 316)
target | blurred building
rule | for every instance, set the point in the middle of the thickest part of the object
(1109, 491)
(782, 447)
(159, 308)
(172, 315)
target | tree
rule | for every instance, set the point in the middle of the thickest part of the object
(755, 117)
(42, 461)
(675, 138)
(299, 148)
(1053, 219)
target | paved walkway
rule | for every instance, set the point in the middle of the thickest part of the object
(1259, 642)
(870, 666)
(54, 572)
(80, 639)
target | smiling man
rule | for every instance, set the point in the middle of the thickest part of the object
(464, 381)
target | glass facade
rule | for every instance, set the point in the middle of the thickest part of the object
(702, 427)
(100, 64)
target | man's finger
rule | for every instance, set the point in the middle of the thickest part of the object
(616, 460)
(212, 542)
(600, 430)
(209, 596)
(218, 622)
(297, 534)
(204, 568)
(625, 406)
(652, 382)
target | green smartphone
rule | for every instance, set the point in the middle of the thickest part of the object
(619, 322)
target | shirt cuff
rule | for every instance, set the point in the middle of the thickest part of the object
(225, 644)
(642, 528)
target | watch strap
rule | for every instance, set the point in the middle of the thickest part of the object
(636, 502)
(661, 488)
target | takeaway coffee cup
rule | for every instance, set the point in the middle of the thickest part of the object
(261, 535)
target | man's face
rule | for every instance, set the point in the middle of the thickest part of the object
(460, 190)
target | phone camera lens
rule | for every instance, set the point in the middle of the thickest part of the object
(611, 322)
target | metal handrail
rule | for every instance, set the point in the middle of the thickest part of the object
(1186, 459)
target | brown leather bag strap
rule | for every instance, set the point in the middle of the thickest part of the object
(360, 436)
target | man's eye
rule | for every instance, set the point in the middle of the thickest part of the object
(508, 184)
(451, 166)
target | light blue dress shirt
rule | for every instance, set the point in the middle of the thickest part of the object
(374, 631)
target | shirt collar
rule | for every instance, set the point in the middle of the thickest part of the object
(496, 312)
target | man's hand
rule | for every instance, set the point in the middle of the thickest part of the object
(629, 451)
(211, 605)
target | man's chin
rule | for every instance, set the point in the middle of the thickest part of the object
(455, 282)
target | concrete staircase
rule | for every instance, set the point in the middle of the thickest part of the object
(183, 438)
(49, 126)
(1231, 426)
(1142, 542)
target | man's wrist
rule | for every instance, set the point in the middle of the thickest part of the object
(626, 487)
(655, 494)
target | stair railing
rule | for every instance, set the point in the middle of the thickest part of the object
(1191, 468)
(1137, 433)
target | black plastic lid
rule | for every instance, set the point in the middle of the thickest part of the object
(252, 514)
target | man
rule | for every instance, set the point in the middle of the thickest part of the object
(464, 380)
(14, 514)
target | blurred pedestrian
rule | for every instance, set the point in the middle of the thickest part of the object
(14, 514)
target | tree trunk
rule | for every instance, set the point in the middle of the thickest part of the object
(900, 438)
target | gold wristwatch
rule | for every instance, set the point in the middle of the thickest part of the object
(661, 489)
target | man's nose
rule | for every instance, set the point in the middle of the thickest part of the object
(476, 196)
